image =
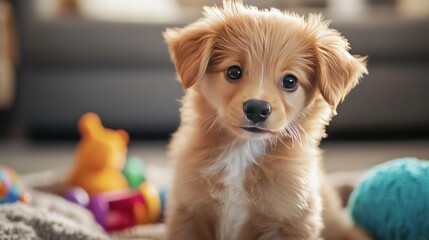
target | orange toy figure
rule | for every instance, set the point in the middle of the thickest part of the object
(100, 157)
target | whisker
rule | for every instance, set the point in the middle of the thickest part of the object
(279, 138)
(291, 135)
(220, 125)
(296, 133)
(208, 120)
(272, 144)
(303, 130)
(214, 122)
(300, 130)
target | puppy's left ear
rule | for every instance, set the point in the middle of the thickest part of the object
(338, 71)
(190, 50)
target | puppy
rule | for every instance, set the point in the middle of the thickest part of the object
(260, 87)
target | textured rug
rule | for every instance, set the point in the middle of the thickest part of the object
(50, 217)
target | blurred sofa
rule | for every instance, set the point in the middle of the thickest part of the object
(71, 65)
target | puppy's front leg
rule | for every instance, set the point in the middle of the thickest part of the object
(338, 226)
(182, 224)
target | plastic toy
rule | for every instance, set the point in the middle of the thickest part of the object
(392, 200)
(11, 187)
(121, 209)
(163, 196)
(152, 200)
(77, 195)
(115, 190)
(115, 210)
(134, 172)
(100, 157)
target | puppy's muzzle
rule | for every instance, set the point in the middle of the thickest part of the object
(257, 110)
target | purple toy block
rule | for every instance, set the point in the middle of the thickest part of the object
(77, 195)
(99, 208)
(113, 210)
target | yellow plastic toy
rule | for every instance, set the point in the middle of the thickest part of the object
(153, 202)
(100, 157)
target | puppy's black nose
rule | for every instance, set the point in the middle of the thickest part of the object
(256, 110)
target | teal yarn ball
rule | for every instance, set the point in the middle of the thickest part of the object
(391, 202)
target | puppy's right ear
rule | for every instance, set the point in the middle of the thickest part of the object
(190, 49)
(338, 70)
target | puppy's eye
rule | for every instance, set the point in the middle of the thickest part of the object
(289, 83)
(233, 73)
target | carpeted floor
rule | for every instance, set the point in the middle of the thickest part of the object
(27, 157)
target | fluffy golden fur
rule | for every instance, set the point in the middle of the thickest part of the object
(234, 184)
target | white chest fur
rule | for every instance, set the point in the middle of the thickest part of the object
(233, 161)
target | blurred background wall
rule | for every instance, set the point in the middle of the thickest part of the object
(108, 56)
